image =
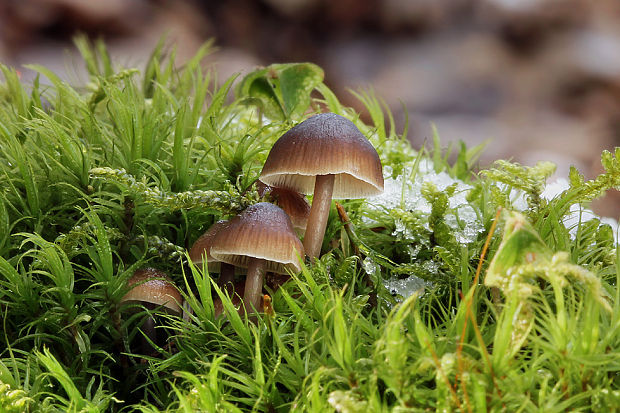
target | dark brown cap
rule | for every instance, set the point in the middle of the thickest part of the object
(153, 286)
(325, 144)
(261, 231)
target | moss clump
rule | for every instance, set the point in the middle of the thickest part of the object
(98, 182)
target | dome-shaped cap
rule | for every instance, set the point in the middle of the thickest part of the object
(325, 144)
(150, 285)
(202, 247)
(262, 231)
(292, 202)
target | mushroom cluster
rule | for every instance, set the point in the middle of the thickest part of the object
(326, 156)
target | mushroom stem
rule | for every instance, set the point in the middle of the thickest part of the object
(148, 329)
(227, 277)
(319, 212)
(254, 284)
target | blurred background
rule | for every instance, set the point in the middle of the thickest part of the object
(538, 79)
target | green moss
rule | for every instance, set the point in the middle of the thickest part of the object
(130, 170)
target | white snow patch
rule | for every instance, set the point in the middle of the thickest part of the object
(405, 287)
(405, 193)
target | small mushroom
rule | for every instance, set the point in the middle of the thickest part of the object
(293, 203)
(202, 249)
(152, 288)
(261, 239)
(325, 155)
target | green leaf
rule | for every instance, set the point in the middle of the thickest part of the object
(281, 91)
(520, 245)
(297, 81)
(57, 371)
(256, 90)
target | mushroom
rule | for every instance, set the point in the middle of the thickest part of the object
(261, 239)
(293, 203)
(202, 249)
(325, 155)
(152, 288)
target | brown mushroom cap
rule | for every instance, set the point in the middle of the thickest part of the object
(325, 144)
(292, 202)
(202, 247)
(150, 285)
(295, 205)
(261, 231)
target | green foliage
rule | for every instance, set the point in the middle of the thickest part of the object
(582, 191)
(13, 401)
(403, 312)
(225, 202)
(530, 180)
(281, 91)
(99, 401)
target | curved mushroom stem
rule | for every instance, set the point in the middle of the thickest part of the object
(227, 277)
(254, 284)
(319, 212)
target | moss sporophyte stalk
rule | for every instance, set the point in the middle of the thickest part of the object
(408, 300)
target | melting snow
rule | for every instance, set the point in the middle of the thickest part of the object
(370, 266)
(405, 287)
(405, 193)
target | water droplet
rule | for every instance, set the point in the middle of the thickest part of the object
(370, 266)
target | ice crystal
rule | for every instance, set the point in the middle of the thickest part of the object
(403, 200)
(370, 266)
(404, 192)
(405, 287)
(468, 226)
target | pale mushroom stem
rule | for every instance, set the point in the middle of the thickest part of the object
(319, 212)
(227, 277)
(254, 284)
